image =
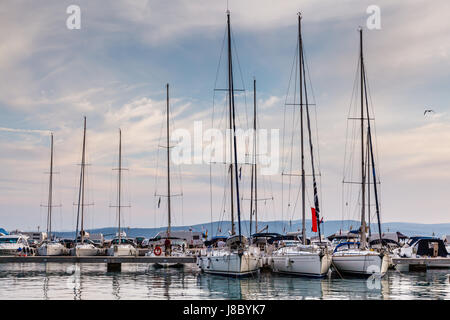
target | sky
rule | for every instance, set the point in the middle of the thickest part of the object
(114, 69)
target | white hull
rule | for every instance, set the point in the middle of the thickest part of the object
(9, 252)
(13, 250)
(361, 264)
(84, 251)
(168, 264)
(304, 264)
(52, 249)
(121, 250)
(229, 263)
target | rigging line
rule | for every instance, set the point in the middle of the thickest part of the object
(292, 132)
(157, 157)
(316, 126)
(372, 158)
(349, 140)
(293, 67)
(224, 201)
(212, 126)
(316, 196)
(355, 84)
(224, 111)
(374, 125)
(217, 74)
(242, 79)
(210, 199)
(284, 158)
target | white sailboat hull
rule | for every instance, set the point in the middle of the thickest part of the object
(85, 250)
(168, 264)
(304, 264)
(230, 263)
(51, 249)
(361, 264)
(121, 250)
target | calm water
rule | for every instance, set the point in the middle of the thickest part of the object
(138, 281)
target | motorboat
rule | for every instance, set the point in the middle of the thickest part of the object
(16, 244)
(422, 247)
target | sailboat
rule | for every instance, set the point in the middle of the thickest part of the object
(299, 257)
(82, 246)
(168, 249)
(49, 247)
(236, 258)
(120, 246)
(356, 257)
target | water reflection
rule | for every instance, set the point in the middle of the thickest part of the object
(92, 281)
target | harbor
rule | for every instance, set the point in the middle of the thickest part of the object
(139, 282)
(224, 150)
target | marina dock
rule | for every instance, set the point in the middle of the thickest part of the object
(422, 263)
(113, 263)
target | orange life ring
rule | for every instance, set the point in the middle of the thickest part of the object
(157, 251)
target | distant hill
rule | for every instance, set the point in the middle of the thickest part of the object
(328, 227)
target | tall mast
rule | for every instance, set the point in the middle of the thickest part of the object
(372, 159)
(168, 167)
(363, 178)
(230, 102)
(300, 56)
(83, 165)
(368, 182)
(50, 194)
(316, 195)
(231, 98)
(254, 181)
(255, 155)
(120, 183)
(81, 189)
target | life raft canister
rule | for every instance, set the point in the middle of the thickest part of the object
(157, 251)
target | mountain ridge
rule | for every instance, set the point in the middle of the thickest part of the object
(278, 226)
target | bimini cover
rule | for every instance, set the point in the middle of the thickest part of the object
(4, 231)
(425, 247)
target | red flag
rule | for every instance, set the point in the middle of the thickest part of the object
(314, 220)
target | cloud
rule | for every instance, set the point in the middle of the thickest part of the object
(114, 70)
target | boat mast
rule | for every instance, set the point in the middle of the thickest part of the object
(372, 159)
(254, 181)
(168, 167)
(81, 189)
(120, 183)
(232, 111)
(316, 195)
(300, 56)
(363, 178)
(230, 102)
(368, 184)
(50, 193)
(255, 155)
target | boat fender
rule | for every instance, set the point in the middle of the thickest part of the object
(287, 262)
(157, 251)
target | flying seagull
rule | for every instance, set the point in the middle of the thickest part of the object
(427, 110)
